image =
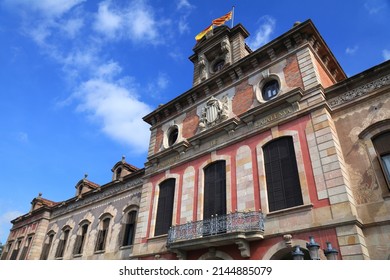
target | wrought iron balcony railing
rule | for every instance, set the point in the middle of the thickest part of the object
(244, 222)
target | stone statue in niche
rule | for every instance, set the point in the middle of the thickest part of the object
(214, 112)
(202, 67)
(225, 48)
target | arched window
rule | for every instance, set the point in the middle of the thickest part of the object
(283, 186)
(80, 239)
(128, 237)
(102, 235)
(62, 244)
(165, 207)
(382, 146)
(47, 246)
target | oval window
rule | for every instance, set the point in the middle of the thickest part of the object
(173, 135)
(270, 89)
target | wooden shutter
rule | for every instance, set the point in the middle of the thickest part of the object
(283, 186)
(14, 254)
(129, 229)
(77, 245)
(46, 248)
(214, 189)
(60, 249)
(165, 207)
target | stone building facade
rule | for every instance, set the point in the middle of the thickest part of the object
(268, 147)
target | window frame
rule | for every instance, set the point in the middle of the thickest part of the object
(81, 238)
(47, 246)
(382, 152)
(101, 239)
(63, 242)
(129, 228)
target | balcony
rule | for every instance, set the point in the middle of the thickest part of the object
(234, 228)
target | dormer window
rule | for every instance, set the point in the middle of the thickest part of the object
(118, 173)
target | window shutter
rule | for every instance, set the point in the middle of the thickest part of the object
(129, 229)
(60, 249)
(165, 207)
(77, 245)
(283, 186)
(45, 251)
(214, 190)
(14, 254)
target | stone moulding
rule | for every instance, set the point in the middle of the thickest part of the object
(360, 91)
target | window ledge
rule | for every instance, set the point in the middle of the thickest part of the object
(126, 247)
(290, 210)
(99, 252)
(77, 255)
(162, 236)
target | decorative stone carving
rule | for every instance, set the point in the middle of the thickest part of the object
(214, 112)
(360, 91)
(244, 248)
(225, 48)
(202, 67)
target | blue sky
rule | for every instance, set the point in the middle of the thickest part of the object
(77, 76)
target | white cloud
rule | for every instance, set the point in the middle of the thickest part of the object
(185, 8)
(116, 108)
(108, 21)
(375, 6)
(142, 25)
(72, 26)
(5, 223)
(184, 4)
(263, 33)
(386, 54)
(136, 22)
(351, 50)
(47, 8)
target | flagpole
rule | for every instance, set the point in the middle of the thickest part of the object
(232, 16)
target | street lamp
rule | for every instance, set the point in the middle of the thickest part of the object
(313, 248)
(297, 254)
(330, 253)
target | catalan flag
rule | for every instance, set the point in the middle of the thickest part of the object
(204, 32)
(221, 20)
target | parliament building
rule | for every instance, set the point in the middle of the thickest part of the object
(273, 153)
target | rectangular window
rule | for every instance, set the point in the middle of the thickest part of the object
(8, 249)
(283, 186)
(214, 203)
(26, 248)
(165, 207)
